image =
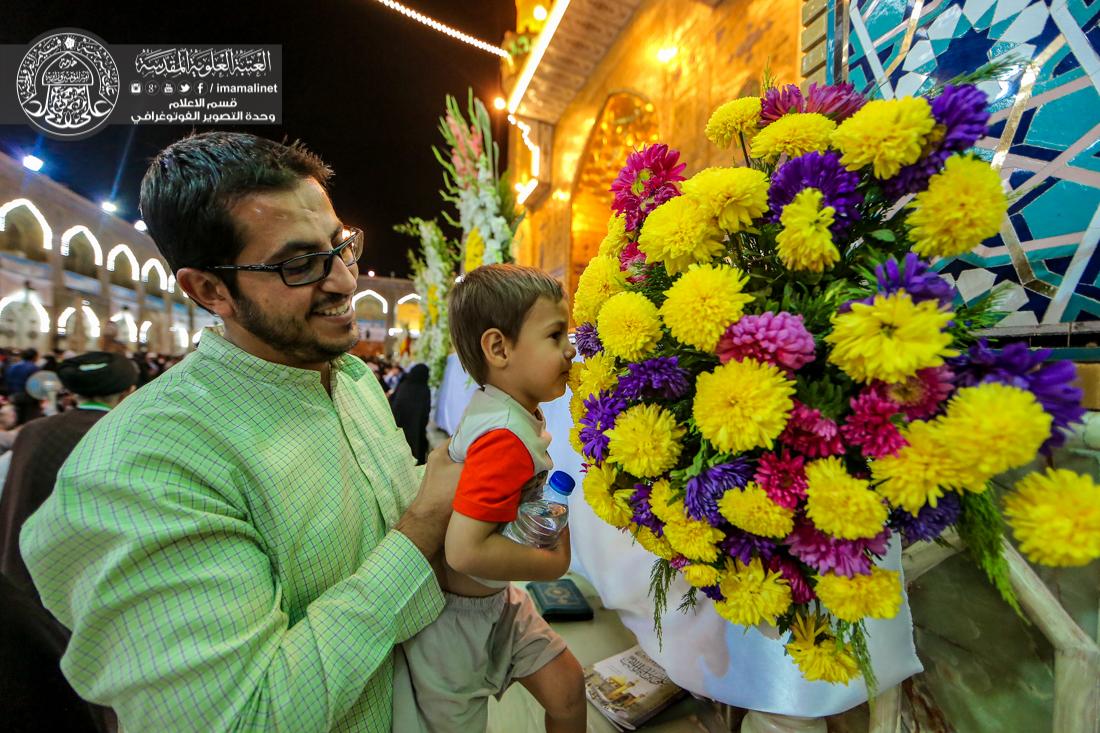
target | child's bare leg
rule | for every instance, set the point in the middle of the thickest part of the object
(559, 688)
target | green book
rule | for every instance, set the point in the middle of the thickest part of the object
(560, 600)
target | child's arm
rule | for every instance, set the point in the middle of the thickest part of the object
(476, 548)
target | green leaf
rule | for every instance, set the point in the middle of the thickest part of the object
(660, 578)
(884, 235)
(981, 527)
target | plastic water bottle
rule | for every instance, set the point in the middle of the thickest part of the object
(538, 523)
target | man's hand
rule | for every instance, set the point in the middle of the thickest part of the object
(425, 521)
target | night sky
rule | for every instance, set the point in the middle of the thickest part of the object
(363, 87)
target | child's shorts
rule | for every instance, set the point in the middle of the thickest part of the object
(476, 648)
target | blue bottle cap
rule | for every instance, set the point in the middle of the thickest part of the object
(562, 483)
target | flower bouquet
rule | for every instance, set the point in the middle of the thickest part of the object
(472, 182)
(433, 275)
(776, 381)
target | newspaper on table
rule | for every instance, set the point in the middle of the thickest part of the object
(629, 688)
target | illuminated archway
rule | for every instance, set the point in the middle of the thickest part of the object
(127, 318)
(153, 265)
(47, 233)
(121, 250)
(67, 238)
(368, 309)
(626, 122)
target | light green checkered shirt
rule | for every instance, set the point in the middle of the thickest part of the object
(219, 545)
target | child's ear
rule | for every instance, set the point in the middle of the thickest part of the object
(494, 347)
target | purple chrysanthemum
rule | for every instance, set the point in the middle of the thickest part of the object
(776, 338)
(703, 491)
(743, 546)
(930, 521)
(824, 172)
(713, 592)
(912, 275)
(646, 181)
(601, 411)
(1017, 365)
(829, 554)
(836, 101)
(588, 341)
(661, 376)
(679, 562)
(961, 116)
(643, 513)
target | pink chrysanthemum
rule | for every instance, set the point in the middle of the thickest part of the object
(801, 592)
(920, 396)
(782, 477)
(828, 554)
(632, 260)
(811, 433)
(777, 338)
(646, 181)
(836, 101)
(871, 427)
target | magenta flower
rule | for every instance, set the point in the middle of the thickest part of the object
(778, 338)
(811, 433)
(871, 425)
(829, 554)
(646, 181)
(783, 477)
(836, 101)
(801, 592)
(920, 396)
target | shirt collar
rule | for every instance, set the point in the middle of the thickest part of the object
(501, 396)
(214, 345)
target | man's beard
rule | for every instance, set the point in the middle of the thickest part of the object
(289, 335)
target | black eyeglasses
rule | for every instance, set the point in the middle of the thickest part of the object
(308, 269)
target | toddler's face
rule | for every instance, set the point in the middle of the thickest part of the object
(542, 353)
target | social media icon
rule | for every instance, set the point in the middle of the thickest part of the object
(185, 88)
(135, 87)
(169, 89)
(151, 88)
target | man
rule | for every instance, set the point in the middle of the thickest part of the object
(100, 381)
(19, 372)
(240, 544)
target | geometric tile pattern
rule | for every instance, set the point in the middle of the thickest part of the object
(1044, 136)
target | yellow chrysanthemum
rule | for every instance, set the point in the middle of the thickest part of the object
(841, 504)
(877, 595)
(475, 250)
(594, 375)
(752, 594)
(576, 406)
(963, 205)
(752, 510)
(702, 303)
(575, 438)
(599, 490)
(1055, 517)
(694, 539)
(806, 242)
(742, 405)
(629, 326)
(612, 244)
(645, 440)
(733, 196)
(793, 135)
(921, 472)
(733, 119)
(600, 280)
(679, 233)
(662, 503)
(657, 545)
(700, 576)
(890, 339)
(993, 427)
(826, 660)
(886, 134)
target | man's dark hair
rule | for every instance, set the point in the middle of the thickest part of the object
(190, 187)
(29, 355)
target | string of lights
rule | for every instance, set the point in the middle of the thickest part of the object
(445, 29)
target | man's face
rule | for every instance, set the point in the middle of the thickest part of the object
(302, 326)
